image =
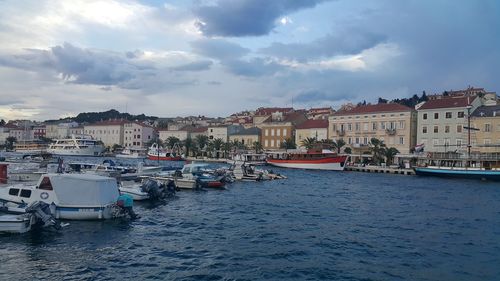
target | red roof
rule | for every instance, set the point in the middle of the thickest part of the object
(373, 108)
(447, 103)
(270, 110)
(310, 124)
(199, 130)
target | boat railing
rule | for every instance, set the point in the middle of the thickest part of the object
(458, 156)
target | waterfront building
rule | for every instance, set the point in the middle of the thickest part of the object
(223, 131)
(487, 138)
(247, 136)
(441, 122)
(60, 130)
(39, 131)
(393, 123)
(4, 134)
(78, 130)
(136, 134)
(21, 134)
(109, 132)
(198, 131)
(317, 129)
(279, 127)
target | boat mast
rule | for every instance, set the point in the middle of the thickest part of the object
(468, 129)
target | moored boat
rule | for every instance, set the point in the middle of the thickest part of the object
(316, 159)
(132, 153)
(157, 153)
(77, 146)
(75, 196)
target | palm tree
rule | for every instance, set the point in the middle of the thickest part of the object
(9, 142)
(390, 153)
(348, 150)
(309, 142)
(339, 144)
(172, 141)
(201, 141)
(156, 140)
(288, 143)
(377, 149)
(188, 145)
(227, 146)
(217, 143)
(257, 146)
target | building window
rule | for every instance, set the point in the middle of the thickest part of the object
(424, 116)
(284, 132)
(357, 127)
(272, 143)
(424, 130)
(266, 132)
(461, 114)
(446, 129)
(266, 143)
(272, 133)
(374, 126)
(382, 125)
(349, 127)
(334, 127)
(401, 140)
(487, 141)
(401, 125)
(350, 140)
(357, 140)
(436, 115)
(278, 132)
(436, 129)
(435, 142)
(459, 142)
(448, 115)
(459, 128)
(487, 127)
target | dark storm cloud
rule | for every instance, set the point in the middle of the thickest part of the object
(346, 42)
(194, 66)
(246, 17)
(218, 49)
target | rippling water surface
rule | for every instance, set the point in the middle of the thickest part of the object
(316, 225)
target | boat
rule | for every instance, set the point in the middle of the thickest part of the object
(82, 145)
(251, 158)
(148, 189)
(457, 165)
(30, 147)
(36, 214)
(132, 153)
(74, 196)
(248, 172)
(157, 153)
(317, 159)
(193, 176)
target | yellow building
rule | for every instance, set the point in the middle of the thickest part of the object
(392, 123)
(487, 138)
(317, 129)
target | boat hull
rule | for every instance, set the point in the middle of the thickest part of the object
(164, 158)
(76, 152)
(15, 223)
(331, 164)
(459, 173)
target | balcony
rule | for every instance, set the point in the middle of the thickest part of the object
(341, 133)
(390, 132)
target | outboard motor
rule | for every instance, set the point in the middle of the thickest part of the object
(152, 188)
(169, 188)
(43, 215)
(125, 203)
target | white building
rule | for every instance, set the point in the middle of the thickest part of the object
(441, 123)
(223, 132)
(109, 132)
(137, 134)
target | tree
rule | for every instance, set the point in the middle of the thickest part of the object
(389, 154)
(217, 145)
(309, 142)
(9, 142)
(201, 141)
(377, 149)
(339, 144)
(172, 141)
(2, 122)
(381, 100)
(348, 150)
(257, 146)
(227, 146)
(154, 140)
(188, 145)
(288, 143)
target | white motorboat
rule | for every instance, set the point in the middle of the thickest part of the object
(251, 158)
(75, 196)
(248, 172)
(192, 176)
(149, 189)
(37, 213)
(133, 153)
(77, 146)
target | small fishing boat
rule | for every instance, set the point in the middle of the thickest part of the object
(248, 172)
(251, 158)
(75, 196)
(157, 153)
(149, 189)
(36, 214)
(133, 153)
(193, 176)
(316, 159)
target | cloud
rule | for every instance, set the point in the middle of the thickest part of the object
(194, 66)
(218, 49)
(345, 42)
(246, 17)
(253, 68)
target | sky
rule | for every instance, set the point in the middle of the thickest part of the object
(216, 57)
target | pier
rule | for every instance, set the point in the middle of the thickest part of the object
(382, 170)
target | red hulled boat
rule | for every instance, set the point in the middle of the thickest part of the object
(317, 159)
